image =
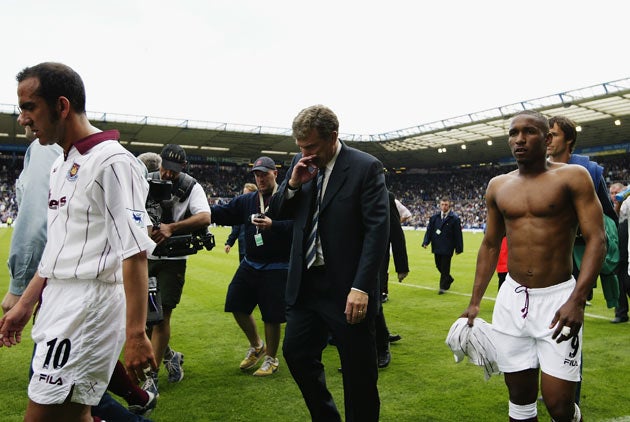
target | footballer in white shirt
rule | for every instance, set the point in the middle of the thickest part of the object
(93, 274)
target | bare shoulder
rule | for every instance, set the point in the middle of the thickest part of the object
(497, 181)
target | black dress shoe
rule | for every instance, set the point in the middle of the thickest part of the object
(393, 338)
(619, 320)
(384, 359)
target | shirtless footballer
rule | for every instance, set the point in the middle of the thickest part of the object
(539, 310)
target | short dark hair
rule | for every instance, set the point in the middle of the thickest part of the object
(568, 127)
(544, 124)
(56, 80)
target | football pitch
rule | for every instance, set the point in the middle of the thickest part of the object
(422, 383)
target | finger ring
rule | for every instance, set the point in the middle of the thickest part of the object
(360, 312)
(566, 331)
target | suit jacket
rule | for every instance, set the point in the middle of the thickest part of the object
(353, 225)
(449, 238)
(397, 239)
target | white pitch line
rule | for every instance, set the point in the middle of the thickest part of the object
(586, 314)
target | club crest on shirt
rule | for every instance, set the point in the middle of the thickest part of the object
(73, 173)
(137, 216)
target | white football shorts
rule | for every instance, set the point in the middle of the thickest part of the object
(79, 333)
(521, 320)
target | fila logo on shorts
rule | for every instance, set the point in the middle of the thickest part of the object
(48, 379)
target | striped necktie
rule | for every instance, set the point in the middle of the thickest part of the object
(311, 250)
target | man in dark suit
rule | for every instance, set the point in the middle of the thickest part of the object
(401, 265)
(340, 234)
(444, 233)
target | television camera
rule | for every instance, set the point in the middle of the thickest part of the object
(159, 207)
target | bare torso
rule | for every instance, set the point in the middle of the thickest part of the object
(540, 224)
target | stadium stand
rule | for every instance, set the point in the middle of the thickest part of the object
(453, 157)
(602, 111)
(418, 192)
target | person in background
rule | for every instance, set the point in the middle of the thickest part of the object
(403, 211)
(151, 160)
(502, 268)
(262, 274)
(238, 230)
(338, 199)
(401, 265)
(186, 211)
(173, 360)
(623, 210)
(29, 233)
(444, 233)
(403, 214)
(560, 150)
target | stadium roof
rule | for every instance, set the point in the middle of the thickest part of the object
(602, 111)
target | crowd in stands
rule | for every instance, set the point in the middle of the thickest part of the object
(10, 168)
(222, 182)
(466, 187)
(420, 192)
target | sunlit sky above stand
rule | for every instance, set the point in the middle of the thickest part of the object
(381, 66)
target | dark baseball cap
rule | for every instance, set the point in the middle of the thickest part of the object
(264, 164)
(173, 158)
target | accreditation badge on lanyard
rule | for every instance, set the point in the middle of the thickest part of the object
(258, 236)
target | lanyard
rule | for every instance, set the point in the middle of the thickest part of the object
(264, 209)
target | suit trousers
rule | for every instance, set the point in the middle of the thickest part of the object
(318, 312)
(621, 311)
(382, 332)
(383, 274)
(443, 264)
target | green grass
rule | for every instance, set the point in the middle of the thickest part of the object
(423, 383)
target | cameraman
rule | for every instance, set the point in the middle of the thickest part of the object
(262, 275)
(186, 211)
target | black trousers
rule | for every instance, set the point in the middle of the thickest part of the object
(383, 275)
(443, 265)
(318, 312)
(382, 332)
(621, 310)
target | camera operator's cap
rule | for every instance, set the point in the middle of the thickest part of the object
(264, 164)
(173, 158)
